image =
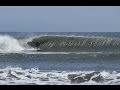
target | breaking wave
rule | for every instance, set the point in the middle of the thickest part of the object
(64, 43)
(59, 44)
(19, 76)
(8, 43)
(11, 44)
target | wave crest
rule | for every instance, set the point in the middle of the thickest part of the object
(8, 43)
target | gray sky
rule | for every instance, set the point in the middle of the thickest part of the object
(60, 18)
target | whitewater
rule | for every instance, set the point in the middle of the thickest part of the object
(18, 76)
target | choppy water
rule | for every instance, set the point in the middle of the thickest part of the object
(65, 58)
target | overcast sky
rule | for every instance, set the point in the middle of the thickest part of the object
(60, 18)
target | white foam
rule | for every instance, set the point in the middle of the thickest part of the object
(60, 53)
(9, 44)
(18, 76)
(34, 51)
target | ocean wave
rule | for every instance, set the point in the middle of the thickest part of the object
(58, 43)
(18, 76)
(10, 44)
(63, 43)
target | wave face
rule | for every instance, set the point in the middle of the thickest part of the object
(64, 43)
(19, 76)
(10, 44)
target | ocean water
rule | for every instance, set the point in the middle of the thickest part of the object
(65, 58)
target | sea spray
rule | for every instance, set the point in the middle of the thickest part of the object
(8, 43)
